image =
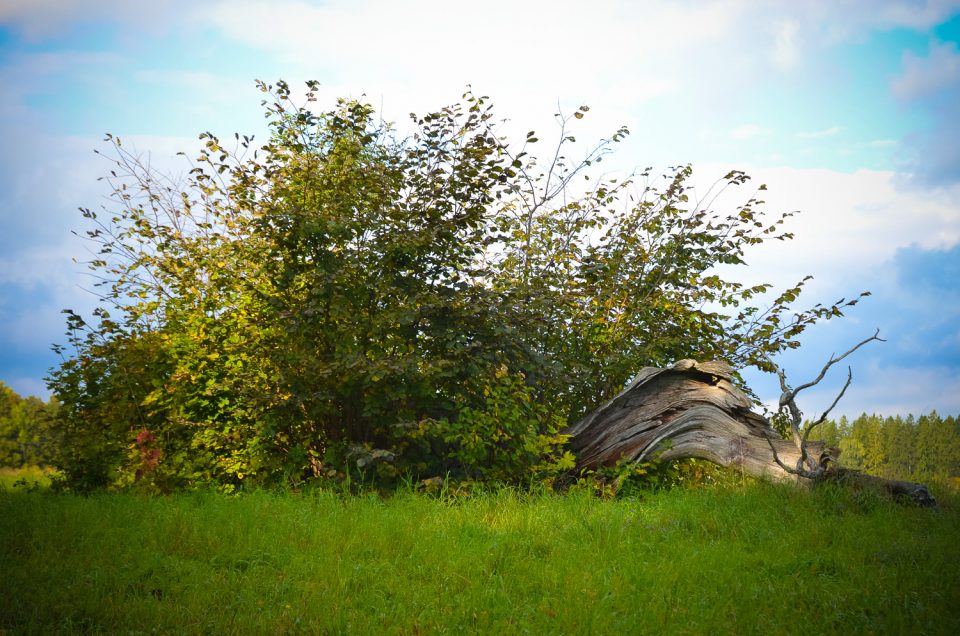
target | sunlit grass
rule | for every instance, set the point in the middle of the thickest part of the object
(756, 559)
(27, 478)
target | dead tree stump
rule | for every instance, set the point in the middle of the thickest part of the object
(693, 410)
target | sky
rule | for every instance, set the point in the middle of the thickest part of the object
(848, 110)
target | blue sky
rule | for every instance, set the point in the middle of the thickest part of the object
(847, 110)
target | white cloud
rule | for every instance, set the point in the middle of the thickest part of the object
(420, 53)
(29, 386)
(748, 131)
(201, 86)
(819, 134)
(931, 85)
(786, 50)
(41, 185)
(876, 388)
(916, 14)
(36, 328)
(923, 76)
(889, 390)
(848, 223)
(39, 265)
(436, 32)
(828, 22)
(38, 19)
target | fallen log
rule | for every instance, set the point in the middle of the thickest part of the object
(900, 490)
(694, 410)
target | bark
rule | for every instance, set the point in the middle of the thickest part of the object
(693, 410)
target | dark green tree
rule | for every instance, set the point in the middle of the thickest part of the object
(25, 436)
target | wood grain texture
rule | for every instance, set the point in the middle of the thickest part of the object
(693, 410)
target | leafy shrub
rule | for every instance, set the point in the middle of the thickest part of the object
(510, 437)
(343, 301)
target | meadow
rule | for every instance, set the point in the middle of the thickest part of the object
(745, 559)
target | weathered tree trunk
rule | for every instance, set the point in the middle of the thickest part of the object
(693, 410)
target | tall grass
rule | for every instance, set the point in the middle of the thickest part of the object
(762, 559)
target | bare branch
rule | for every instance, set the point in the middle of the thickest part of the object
(788, 403)
(822, 418)
(832, 361)
(776, 457)
(816, 470)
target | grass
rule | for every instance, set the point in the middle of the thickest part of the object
(747, 560)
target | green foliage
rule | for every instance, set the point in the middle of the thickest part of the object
(630, 479)
(345, 301)
(25, 436)
(509, 438)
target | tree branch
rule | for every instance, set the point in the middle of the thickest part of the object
(776, 457)
(788, 403)
(832, 361)
(822, 418)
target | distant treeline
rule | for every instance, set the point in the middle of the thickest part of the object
(25, 433)
(924, 448)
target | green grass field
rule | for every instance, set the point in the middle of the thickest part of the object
(727, 560)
